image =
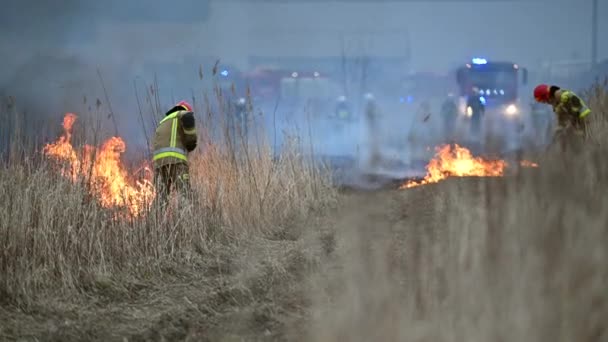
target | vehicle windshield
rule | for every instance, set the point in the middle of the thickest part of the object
(505, 80)
(497, 86)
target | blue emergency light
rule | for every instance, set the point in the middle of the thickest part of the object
(224, 73)
(479, 61)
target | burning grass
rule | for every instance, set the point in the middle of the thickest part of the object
(480, 259)
(483, 259)
(79, 214)
(457, 161)
(102, 170)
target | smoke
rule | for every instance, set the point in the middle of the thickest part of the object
(56, 54)
(52, 52)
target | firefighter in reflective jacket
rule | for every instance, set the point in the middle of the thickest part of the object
(372, 116)
(570, 109)
(175, 137)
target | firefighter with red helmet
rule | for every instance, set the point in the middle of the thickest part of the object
(175, 137)
(571, 111)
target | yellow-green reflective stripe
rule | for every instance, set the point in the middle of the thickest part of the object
(173, 133)
(169, 154)
(168, 117)
(190, 131)
(585, 112)
(170, 149)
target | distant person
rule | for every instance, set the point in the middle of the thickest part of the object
(571, 113)
(373, 129)
(239, 124)
(449, 114)
(342, 110)
(175, 137)
(478, 110)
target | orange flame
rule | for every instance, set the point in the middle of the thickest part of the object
(63, 151)
(457, 162)
(108, 178)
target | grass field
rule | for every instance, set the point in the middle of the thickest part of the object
(271, 251)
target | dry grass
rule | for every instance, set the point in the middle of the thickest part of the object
(513, 259)
(55, 237)
(257, 193)
(598, 101)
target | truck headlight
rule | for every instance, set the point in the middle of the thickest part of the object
(511, 110)
(469, 111)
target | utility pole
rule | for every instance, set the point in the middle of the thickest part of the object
(594, 34)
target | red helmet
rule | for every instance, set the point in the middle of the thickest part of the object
(542, 93)
(184, 105)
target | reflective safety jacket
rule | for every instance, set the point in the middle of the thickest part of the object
(570, 109)
(175, 137)
(342, 111)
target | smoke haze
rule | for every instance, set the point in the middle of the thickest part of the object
(51, 51)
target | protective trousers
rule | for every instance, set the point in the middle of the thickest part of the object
(169, 177)
(569, 139)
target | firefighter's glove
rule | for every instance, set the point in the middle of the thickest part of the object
(189, 125)
(188, 121)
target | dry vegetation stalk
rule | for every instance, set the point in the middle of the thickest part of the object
(55, 236)
(478, 259)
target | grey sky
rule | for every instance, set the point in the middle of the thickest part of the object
(439, 32)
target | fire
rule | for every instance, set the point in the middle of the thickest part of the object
(457, 161)
(107, 177)
(63, 151)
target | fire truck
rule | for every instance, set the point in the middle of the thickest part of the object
(490, 90)
(294, 89)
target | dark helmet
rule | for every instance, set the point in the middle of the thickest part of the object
(181, 105)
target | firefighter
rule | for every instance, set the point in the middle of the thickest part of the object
(175, 137)
(477, 111)
(242, 115)
(373, 127)
(342, 110)
(571, 112)
(449, 113)
(239, 124)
